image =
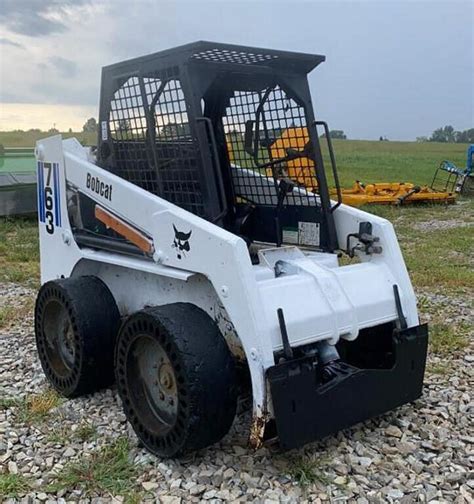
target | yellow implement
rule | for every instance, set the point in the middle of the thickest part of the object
(301, 170)
(392, 193)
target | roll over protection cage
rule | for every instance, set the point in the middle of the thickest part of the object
(174, 123)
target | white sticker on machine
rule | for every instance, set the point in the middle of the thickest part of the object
(308, 233)
(104, 130)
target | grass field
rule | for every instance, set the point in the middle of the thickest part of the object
(29, 138)
(393, 161)
(363, 160)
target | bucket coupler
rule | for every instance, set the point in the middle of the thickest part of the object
(367, 383)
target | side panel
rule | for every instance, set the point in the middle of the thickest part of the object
(347, 221)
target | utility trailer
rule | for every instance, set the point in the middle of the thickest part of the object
(184, 263)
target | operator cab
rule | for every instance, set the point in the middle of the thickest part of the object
(226, 132)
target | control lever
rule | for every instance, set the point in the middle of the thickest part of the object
(248, 138)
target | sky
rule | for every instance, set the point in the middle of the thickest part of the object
(398, 69)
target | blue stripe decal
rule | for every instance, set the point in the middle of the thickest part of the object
(57, 208)
(38, 190)
(59, 197)
(41, 191)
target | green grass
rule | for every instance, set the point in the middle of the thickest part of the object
(370, 161)
(19, 250)
(446, 339)
(64, 435)
(437, 258)
(307, 470)
(34, 408)
(10, 402)
(440, 257)
(85, 432)
(363, 160)
(108, 470)
(439, 368)
(13, 486)
(29, 138)
(9, 315)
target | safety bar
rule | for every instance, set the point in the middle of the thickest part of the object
(215, 161)
(324, 124)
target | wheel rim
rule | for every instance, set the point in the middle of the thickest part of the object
(60, 340)
(152, 383)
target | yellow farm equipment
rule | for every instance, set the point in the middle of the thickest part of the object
(292, 146)
(393, 193)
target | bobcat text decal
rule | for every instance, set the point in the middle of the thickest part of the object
(95, 184)
(181, 242)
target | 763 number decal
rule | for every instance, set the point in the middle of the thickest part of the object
(49, 201)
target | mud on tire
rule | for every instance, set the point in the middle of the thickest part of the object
(176, 377)
(76, 324)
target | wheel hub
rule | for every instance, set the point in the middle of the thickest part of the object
(158, 379)
(166, 376)
(60, 341)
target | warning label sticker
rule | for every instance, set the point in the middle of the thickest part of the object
(308, 233)
(104, 130)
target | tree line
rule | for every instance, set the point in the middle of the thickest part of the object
(448, 134)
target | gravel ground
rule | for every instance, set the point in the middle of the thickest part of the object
(421, 453)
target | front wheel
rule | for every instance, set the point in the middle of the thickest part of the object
(76, 324)
(176, 377)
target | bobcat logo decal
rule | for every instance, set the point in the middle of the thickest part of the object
(181, 242)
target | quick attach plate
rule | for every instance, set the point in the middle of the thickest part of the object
(307, 410)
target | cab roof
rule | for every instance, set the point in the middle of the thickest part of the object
(223, 54)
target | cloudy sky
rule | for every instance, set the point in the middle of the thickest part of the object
(395, 68)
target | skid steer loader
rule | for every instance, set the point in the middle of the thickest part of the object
(184, 276)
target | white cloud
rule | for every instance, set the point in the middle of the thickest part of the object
(388, 71)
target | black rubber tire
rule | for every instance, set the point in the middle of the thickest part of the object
(204, 370)
(93, 320)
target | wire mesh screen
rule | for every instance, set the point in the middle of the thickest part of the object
(128, 130)
(280, 126)
(152, 140)
(221, 55)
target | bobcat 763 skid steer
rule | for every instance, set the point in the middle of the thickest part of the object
(183, 275)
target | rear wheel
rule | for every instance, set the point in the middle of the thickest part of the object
(76, 324)
(176, 377)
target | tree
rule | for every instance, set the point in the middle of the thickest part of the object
(337, 134)
(444, 135)
(123, 125)
(466, 136)
(90, 126)
(174, 130)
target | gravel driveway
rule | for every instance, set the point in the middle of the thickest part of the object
(423, 452)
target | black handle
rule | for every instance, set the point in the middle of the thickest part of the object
(216, 165)
(333, 162)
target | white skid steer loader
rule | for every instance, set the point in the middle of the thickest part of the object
(181, 258)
